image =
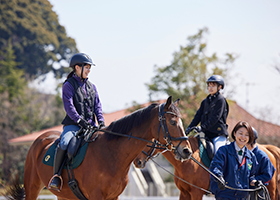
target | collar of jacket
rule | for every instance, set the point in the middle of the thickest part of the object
(79, 79)
(214, 96)
(232, 151)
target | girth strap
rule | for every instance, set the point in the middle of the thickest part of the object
(73, 184)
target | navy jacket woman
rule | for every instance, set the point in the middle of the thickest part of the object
(236, 174)
(265, 169)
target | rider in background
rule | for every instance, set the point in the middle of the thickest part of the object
(82, 105)
(213, 113)
(265, 169)
(235, 165)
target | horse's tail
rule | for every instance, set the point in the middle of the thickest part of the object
(15, 191)
(276, 152)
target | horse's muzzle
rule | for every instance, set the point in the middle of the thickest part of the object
(182, 153)
(139, 163)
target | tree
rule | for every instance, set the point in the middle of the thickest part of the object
(12, 80)
(22, 111)
(39, 41)
(185, 77)
(12, 83)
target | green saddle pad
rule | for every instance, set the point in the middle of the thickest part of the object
(203, 155)
(78, 159)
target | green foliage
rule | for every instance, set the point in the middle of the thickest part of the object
(22, 111)
(31, 40)
(36, 35)
(11, 78)
(186, 76)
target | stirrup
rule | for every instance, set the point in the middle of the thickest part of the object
(61, 183)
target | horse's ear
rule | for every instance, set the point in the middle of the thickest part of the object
(168, 102)
(176, 103)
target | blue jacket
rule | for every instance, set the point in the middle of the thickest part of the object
(265, 169)
(237, 175)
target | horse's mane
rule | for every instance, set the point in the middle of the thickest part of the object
(126, 123)
(133, 120)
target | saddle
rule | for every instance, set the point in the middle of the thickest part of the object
(76, 150)
(206, 149)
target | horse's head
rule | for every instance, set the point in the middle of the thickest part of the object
(148, 152)
(171, 131)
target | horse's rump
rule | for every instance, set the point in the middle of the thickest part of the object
(276, 153)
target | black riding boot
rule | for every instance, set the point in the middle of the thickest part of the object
(58, 160)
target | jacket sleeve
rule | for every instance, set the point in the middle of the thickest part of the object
(266, 170)
(217, 113)
(197, 117)
(218, 163)
(254, 168)
(67, 97)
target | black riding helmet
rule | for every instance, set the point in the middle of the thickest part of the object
(216, 79)
(255, 133)
(80, 59)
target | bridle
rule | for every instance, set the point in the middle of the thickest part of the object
(167, 137)
(162, 125)
(151, 151)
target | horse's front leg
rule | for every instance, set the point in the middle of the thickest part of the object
(184, 195)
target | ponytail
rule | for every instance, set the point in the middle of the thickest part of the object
(70, 75)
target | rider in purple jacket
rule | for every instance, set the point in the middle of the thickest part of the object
(82, 105)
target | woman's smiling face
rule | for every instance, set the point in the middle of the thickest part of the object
(241, 137)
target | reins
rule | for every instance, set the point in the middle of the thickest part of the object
(205, 168)
(207, 191)
(167, 137)
(217, 178)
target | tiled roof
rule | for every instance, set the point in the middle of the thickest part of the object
(29, 138)
(236, 113)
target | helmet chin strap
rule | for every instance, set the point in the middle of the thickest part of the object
(82, 78)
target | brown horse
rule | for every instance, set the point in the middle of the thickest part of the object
(187, 170)
(196, 175)
(103, 174)
(273, 153)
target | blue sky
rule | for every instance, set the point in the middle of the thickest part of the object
(127, 38)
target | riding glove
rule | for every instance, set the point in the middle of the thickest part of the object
(198, 129)
(101, 124)
(187, 131)
(258, 183)
(83, 123)
(221, 183)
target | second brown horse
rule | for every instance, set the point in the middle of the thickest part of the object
(196, 175)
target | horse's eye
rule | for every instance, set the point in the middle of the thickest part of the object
(173, 123)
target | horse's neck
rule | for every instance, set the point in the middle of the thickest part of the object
(124, 150)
